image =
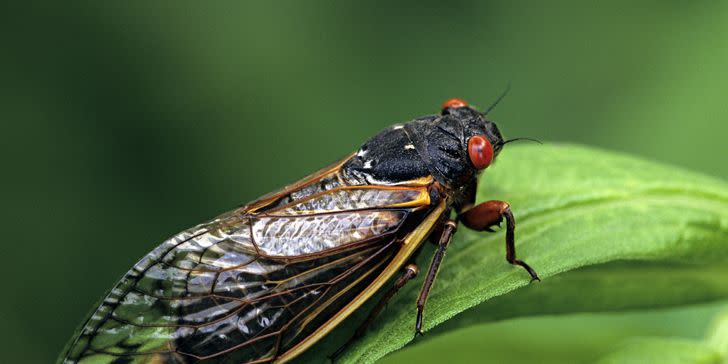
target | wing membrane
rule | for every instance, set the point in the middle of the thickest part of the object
(355, 198)
(249, 286)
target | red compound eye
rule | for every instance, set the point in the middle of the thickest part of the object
(455, 103)
(480, 151)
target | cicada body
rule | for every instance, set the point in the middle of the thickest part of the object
(264, 282)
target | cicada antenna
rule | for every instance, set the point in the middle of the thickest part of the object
(522, 138)
(493, 105)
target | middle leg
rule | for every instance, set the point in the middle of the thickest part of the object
(410, 272)
(447, 233)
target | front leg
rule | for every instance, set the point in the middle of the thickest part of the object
(488, 214)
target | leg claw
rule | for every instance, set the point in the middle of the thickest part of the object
(418, 333)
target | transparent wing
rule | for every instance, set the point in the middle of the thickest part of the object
(247, 287)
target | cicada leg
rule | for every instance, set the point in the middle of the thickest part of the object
(491, 213)
(410, 272)
(446, 236)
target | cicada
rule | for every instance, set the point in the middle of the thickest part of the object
(264, 282)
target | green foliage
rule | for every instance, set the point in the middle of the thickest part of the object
(557, 339)
(712, 349)
(127, 122)
(717, 337)
(663, 351)
(605, 231)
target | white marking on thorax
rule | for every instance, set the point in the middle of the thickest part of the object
(409, 146)
(368, 164)
(397, 127)
(361, 153)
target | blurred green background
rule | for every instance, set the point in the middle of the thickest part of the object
(124, 123)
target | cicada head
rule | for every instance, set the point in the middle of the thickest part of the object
(477, 136)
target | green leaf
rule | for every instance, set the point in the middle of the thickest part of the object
(662, 351)
(556, 339)
(644, 227)
(605, 287)
(718, 335)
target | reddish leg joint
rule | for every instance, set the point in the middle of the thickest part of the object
(491, 213)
